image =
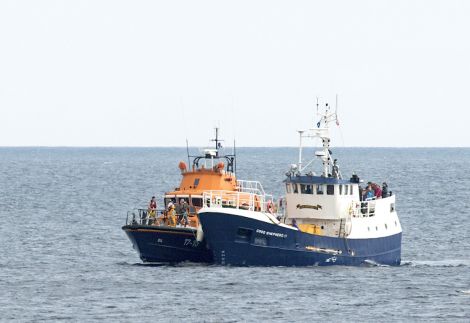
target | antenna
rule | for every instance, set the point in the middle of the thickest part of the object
(185, 131)
(234, 157)
(318, 114)
(218, 142)
(317, 105)
(300, 149)
(336, 111)
(336, 104)
(187, 151)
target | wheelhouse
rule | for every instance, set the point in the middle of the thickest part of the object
(320, 186)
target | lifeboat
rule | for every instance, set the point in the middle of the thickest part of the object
(172, 233)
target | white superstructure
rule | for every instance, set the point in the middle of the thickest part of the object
(329, 205)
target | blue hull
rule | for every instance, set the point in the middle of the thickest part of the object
(240, 241)
(167, 244)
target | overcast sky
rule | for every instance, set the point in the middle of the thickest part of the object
(151, 73)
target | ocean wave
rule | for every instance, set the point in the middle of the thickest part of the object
(437, 263)
(371, 263)
(124, 263)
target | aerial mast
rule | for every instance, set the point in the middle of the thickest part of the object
(300, 150)
(218, 143)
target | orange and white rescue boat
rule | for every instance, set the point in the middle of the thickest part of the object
(173, 234)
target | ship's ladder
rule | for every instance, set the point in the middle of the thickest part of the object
(342, 228)
(343, 234)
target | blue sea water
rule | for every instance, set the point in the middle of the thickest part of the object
(63, 255)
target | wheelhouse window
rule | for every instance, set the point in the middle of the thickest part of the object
(168, 200)
(320, 189)
(306, 189)
(341, 189)
(196, 182)
(288, 188)
(296, 188)
(197, 202)
(330, 189)
(346, 189)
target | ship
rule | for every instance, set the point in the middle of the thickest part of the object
(157, 238)
(327, 220)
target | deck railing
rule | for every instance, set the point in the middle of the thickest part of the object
(368, 208)
(362, 209)
(144, 217)
(141, 216)
(239, 200)
(254, 187)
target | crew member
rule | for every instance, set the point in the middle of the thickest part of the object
(335, 172)
(152, 210)
(369, 193)
(184, 219)
(171, 215)
(377, 191)
(269, 207)
(180, 210)
(384, 190)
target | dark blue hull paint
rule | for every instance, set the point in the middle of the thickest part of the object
(259, 243)
(167, 244)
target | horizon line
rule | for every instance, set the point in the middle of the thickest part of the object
(204, 147)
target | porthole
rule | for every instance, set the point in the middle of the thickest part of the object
(376, 228)
(396, 223)
(386, 227)
(368, 228)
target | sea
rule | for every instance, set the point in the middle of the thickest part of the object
(64, 256)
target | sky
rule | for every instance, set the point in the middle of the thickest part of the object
(153, 73)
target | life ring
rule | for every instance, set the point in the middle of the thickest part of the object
(270, 207)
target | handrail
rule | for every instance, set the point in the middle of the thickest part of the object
(362, 209)
(142, 217)
(239, 200)
(250, 187)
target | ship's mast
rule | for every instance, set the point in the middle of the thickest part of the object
(322, 132)
(211, 154)
(300, 149)
(218, 143)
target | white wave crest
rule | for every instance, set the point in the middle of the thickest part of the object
(437, 263)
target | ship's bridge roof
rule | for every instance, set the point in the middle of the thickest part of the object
(305, 179)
